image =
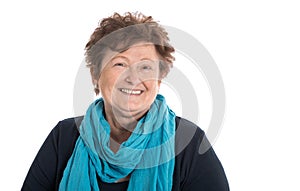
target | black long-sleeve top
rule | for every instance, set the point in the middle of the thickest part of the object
(193, 171)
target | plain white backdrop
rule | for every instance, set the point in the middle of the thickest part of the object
(256, 45)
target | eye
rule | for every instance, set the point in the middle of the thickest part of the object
(119, 64)
(147, 67)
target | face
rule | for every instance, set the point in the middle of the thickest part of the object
(129, 81)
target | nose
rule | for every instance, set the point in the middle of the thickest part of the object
(132, 76)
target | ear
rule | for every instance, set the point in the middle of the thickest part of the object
(96, 86)
(159, 82)
(158, 85)
(94, 80)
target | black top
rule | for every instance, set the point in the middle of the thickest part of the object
(193, 171)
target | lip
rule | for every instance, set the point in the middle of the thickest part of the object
(133, 92)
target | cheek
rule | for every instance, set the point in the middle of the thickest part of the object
(106, 80)
(152, 86)
(103, 84)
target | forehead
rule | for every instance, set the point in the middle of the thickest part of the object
(134, 53)
(139, 51)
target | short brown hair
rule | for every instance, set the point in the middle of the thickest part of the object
(125, 31)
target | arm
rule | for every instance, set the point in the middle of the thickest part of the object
(198, 171)
(47, 168)
(42, 173)
(206, 172)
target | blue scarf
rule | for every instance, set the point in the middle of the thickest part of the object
(147, 155)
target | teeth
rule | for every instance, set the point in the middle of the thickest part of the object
(134, 92)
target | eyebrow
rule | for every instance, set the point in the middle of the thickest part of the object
(118, 56)
(148, 59)
(123, 57)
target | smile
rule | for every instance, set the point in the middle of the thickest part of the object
(130, 91)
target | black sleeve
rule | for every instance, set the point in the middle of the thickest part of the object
(200, 171)
(47, 168)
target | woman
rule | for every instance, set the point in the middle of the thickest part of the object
(128, 139)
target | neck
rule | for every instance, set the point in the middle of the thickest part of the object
(118, 134)
(122, 124)
(121, 128)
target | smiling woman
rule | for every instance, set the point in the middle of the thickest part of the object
(129, 139)
(129, 83)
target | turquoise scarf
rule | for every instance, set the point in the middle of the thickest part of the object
(147, 155)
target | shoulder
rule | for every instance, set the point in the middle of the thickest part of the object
(188, 134)
(186, 126)
(194, 169)
(48, 166)
(65, 134)
(69, 123)
(67, 128)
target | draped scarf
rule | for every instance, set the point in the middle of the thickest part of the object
(147, 155)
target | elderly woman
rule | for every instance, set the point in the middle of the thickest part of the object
(128, 139)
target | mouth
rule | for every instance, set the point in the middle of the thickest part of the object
(131, 91)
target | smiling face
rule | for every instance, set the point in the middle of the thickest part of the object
(129, 81)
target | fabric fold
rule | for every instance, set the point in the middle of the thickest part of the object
(148, 154)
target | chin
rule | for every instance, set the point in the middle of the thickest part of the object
(133, 110)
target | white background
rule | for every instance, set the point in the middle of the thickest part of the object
(256, 45)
